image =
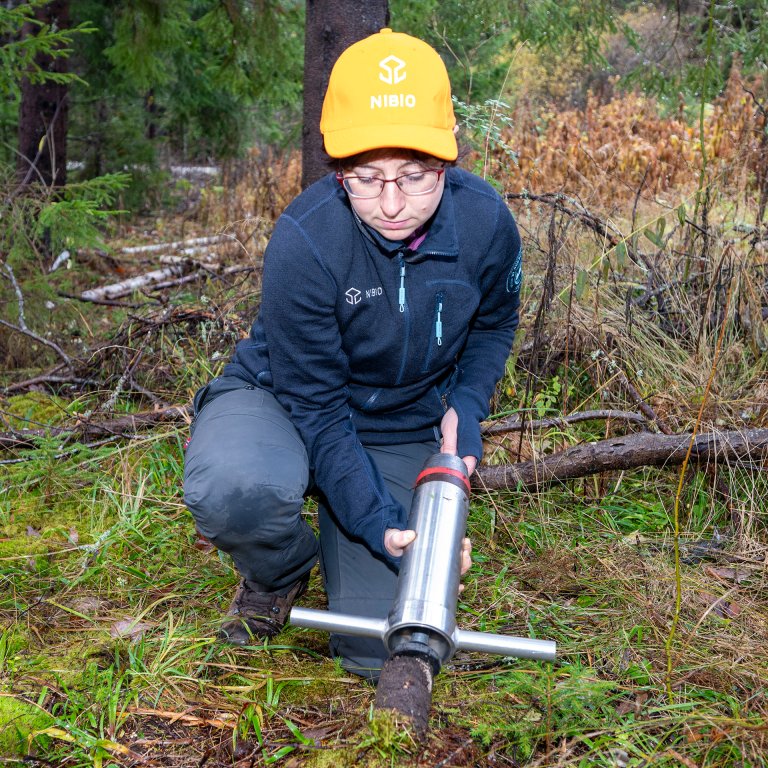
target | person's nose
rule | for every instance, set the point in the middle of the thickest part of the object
(392, 200)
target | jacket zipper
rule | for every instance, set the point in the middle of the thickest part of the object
(401, 291)
(401, 300)
(437, 339)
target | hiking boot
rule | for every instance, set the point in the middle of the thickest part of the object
(257, 613)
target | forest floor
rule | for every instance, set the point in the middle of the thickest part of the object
(641, 295)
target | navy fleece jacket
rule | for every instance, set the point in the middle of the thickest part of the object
(364, 341)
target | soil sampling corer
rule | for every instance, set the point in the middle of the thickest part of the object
(422, 620)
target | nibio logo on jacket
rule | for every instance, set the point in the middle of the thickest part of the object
(392, 71)
(353, 295)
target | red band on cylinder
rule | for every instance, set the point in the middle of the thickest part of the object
(426, 475)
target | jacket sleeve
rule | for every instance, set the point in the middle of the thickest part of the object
(310, 373)
(484, 357)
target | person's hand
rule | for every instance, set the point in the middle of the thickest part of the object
(466, 556)
(395, 542)
(449, 427)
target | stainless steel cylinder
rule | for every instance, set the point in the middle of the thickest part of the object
(422, 619)
(424, 609)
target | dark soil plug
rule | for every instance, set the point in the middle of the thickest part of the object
(405, 686)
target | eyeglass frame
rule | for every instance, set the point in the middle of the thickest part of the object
(341, 178)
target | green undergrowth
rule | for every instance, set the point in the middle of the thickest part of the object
(109, 609)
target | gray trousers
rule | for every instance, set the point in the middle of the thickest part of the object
(246, 473)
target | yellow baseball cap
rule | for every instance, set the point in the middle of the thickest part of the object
(389, 90)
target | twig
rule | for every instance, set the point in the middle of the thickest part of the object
(515, 423)
(609, 234)
(109, 403)
(38, 379)
(65, 454)
(198, 275)
(22, 326)
(106, 302)
(118, 426)
(642, 405)
(642, 301)
(44, 144)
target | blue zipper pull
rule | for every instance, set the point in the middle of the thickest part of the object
(401, 292)
(438, 320)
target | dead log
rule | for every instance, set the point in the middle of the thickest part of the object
(620, 453)
(131, 284)
(178, 273)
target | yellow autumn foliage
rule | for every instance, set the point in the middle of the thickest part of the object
(626, 145)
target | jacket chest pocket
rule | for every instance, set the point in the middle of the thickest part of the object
(452, 304)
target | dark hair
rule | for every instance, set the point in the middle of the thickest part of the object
(345, 163)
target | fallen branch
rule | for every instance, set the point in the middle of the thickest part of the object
(620, 453)
(128, 286)
(199, 275)
(179, 245)
(644, 449)
(160, 279)
(126, 425)
(515, 423)
(186, 718)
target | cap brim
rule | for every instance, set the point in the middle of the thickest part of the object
(438, 142)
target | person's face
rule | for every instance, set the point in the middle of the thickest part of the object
(393, 214)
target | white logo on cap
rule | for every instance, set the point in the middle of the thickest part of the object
(392, 70)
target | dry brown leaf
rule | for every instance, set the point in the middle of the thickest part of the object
(130, 629)
(728, 574)
(725, 609)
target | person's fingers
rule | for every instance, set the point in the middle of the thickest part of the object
(471, 463)
(466, 556)
(449, 429)
(396, 540)
(404, 538)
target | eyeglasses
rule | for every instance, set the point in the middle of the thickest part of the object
(419, 183)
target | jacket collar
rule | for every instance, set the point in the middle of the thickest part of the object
(441, 242)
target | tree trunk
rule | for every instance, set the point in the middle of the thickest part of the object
(44, 111)
(331, 27)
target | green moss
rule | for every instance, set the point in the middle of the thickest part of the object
(19, 719)
(33, 409)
